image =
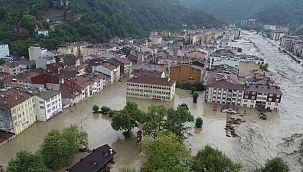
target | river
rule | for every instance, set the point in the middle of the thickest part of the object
(258, 141)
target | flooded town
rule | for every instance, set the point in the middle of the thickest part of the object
(280, 134)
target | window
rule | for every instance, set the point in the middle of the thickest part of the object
(276, 104)
(253, 101)
(41, 107)
(278, 95)
(253, 97)
(246, 96)
(270, 94)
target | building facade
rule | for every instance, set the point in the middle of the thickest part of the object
(18, 110)
(4, 50)
(48, 104)
(154, 88)
(35, 52)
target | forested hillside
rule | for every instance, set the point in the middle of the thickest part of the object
(99, 20)
(282, 13)
(230, 10)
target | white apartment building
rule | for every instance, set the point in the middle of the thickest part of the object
(154, 88)
(48, 104)
(4, 50)
(35, 52)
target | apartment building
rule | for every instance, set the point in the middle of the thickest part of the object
(48, 104)
(223, 88)
(261, 92)
(258, 91)
(17, 110)
(154, 88)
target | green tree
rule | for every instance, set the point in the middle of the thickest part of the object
(193, 89)
(158, 118)
(2, 61)
(275, 165)
(26, 161)
(58, 147)
(164, 153)
(96, 108)
(128, 118)
(175, 122)
(264, 67)
(195, 97)
(199, 122)
(56, 150)
(127, 169)
(213, 160)
(29, 22)
(105, 109)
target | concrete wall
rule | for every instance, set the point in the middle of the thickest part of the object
(184, 72)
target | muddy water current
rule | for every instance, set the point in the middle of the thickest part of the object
(280, 135)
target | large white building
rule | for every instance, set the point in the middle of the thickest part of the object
(4, 50)
(35, 52)
(153, 88)
(48, 104)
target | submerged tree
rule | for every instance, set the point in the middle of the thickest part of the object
(127, 119)
(26, 161)
(165, 153)
(58, 147)
(195, 97)
(275, 165)
(210, 159)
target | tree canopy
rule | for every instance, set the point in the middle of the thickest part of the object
(160, 118)
(127, 118)
(165, 153)
(26, 161)
(213, 160)
(275, 165)
(58, 147)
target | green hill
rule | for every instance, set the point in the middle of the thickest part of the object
(99, 20)
(230, 10)
(282, 13)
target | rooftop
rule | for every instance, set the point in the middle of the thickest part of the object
(223, 79)
(94, 161)
(152, 81)
(13, 97)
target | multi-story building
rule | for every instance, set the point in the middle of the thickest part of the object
(153, 88)
(13, 68)
(48, 103)
(186, 72)
(4, 50)
(258, 91)
(261, 92)
(17, 110)
(223, 88)
(42, 62)
(35, 52)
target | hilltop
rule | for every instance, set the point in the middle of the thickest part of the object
(95, 20)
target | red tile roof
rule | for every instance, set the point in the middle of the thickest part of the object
(13, 97)
(225, 80)
(263, 89)
(152, 81)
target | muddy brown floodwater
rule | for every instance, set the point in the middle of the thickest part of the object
(259, 140)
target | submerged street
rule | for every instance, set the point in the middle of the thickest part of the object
(280, 135)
